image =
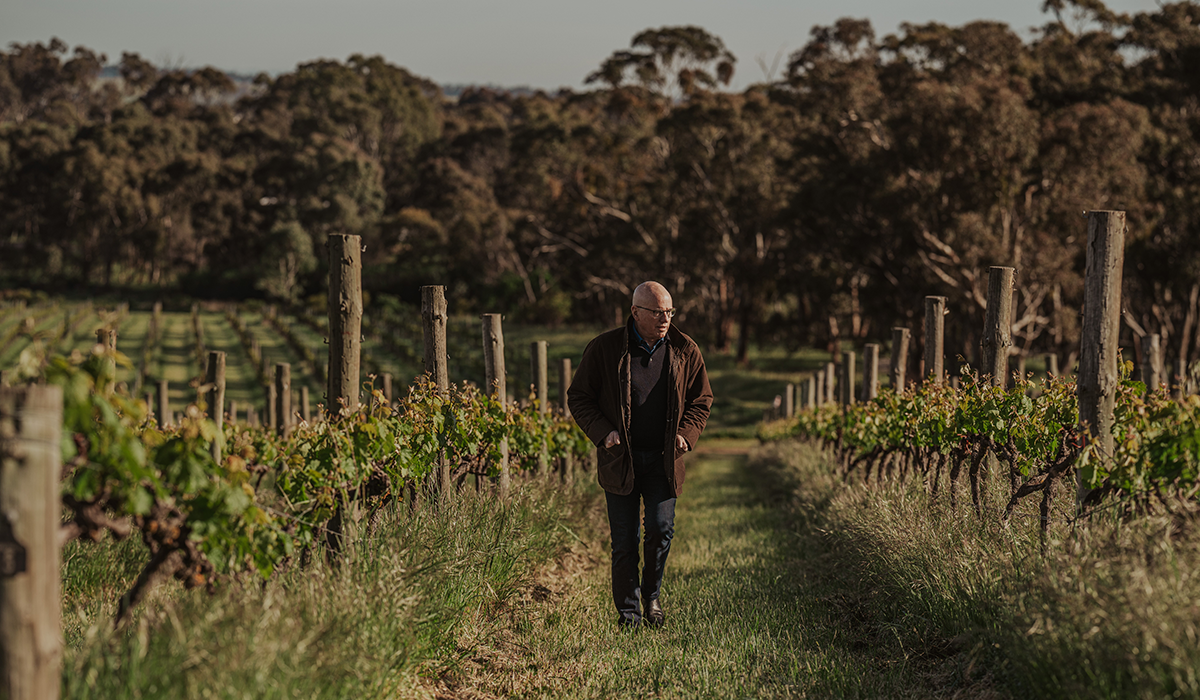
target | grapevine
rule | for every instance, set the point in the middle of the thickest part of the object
(204, 521)
(942, 432)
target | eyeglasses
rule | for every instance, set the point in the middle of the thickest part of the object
(658, 313)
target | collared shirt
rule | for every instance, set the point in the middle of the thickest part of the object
(642, 341)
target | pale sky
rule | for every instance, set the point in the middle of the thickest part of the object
(540, 43)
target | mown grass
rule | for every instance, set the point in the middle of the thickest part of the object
(754, 610)
(1108, 609)
(397, 615)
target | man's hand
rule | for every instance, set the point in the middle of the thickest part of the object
(614, 438)
(681, 443)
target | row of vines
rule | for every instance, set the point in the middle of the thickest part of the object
(272, 499)
(945, 435)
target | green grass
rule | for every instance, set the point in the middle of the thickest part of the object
(1106, 610)
(751, 613)
(387, 622)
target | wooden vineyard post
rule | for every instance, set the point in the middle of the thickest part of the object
(830, 382)
(215, 379)
(810, 392)
(305, 409)
(148, 397)
(108, 338)
(30, 465)
(870, 371)
(283, 398)
(819, 385)
(1152, 362)
(900, 338)
(272, 414)
(540, 372)
(345, 322)
(497, 386)
(1052, 364)
(847, 382)
(997, 324)
(935, 319)
(433, 332)
(433, 324)
(164, 403)
(1098, 348)
(789, 401)
(387, 388)
(564, 383)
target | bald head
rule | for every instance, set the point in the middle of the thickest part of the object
(648, 298)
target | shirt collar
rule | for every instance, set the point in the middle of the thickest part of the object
(642, 341)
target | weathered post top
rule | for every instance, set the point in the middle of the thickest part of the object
(899, 366)
(935, 319)
(1098, 352)
(997, 325)
(345, 320)
(433, 325)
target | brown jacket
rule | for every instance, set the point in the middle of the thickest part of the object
(600, 398)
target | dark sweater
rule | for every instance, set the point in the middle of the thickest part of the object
(648, 391)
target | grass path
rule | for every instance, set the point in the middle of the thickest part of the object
(750, 613)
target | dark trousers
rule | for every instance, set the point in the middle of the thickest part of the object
(649, 486)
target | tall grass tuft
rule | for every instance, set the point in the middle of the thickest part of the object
(1106, 608)
(382, 623)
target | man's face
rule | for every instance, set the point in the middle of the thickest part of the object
(651, 325)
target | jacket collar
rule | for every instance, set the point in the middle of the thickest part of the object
(673, 336)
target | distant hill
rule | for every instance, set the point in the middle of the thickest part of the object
(452, 91)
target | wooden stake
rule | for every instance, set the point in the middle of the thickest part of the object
(164, 403)
(272, 408)
(540, 374)
(305, 411)
(935, 318)
(215, 378)
(433, 324)
(283, 398)
(870, 371)
(1151, 362)
(564, 383)
(30, 465)
(345, 321)
(819, 384)
(997, 325)
(847, 393)
(830, 382)
(900, 338)
(789, 401)
(433, 330)
(495, 383)
(1098, 346)
(387, 388)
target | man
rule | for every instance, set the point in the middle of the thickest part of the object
(642, 396)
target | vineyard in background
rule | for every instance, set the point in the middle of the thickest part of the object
(214, 491)
(1096, 428)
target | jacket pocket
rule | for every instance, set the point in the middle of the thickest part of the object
(609, 457)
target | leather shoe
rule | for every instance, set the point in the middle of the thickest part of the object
(654, 614)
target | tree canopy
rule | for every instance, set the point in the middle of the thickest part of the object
(815, 208)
